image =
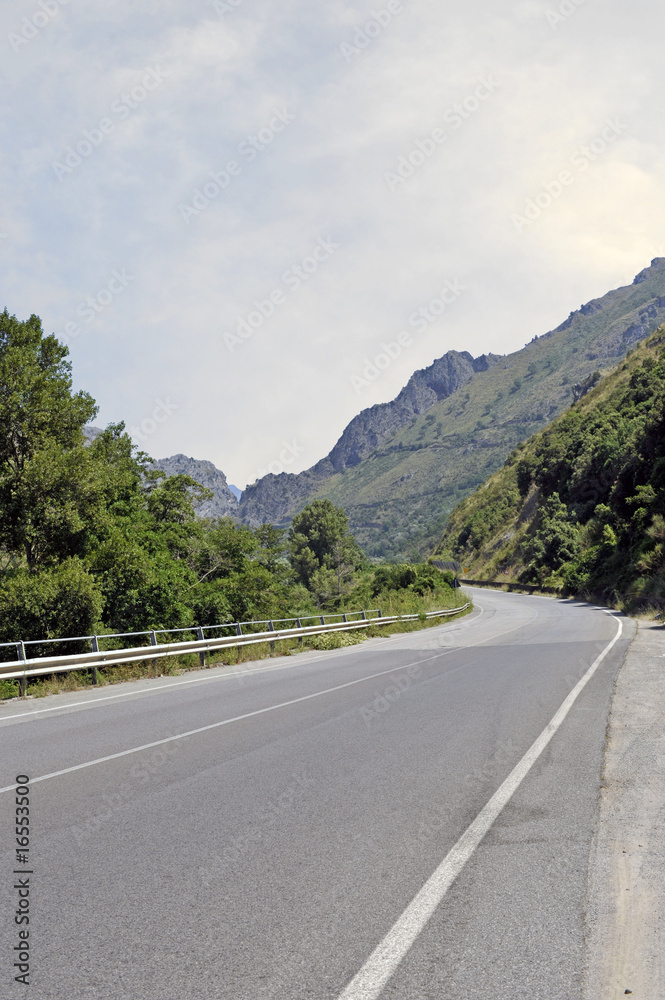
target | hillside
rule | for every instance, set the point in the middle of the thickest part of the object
(581, 505)
(276, 497)
(400, 492)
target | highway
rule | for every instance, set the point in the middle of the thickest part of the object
(328, 826)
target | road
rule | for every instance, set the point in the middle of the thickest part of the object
(269, 853)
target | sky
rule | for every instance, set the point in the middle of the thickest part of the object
(250, 220)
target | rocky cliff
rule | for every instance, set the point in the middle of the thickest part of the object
(400, 468)
(224, 503)
(274, 497)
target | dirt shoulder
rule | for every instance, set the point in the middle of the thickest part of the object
(626, 909)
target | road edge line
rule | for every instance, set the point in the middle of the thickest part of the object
(381, 965)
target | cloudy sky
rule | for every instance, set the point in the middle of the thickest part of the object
(228, 208)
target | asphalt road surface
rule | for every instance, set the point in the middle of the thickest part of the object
(379, 821)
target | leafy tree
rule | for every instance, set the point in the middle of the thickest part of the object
(219, 548)
(36, 403)
(42, 493)
(175, 500)
(141, 589)
(55, 506)
(555, 540)
(50, 604)
(420, 579)
(271, 547)
(323, 552)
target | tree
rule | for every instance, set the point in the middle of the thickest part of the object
(323, 552)
(54, 506)
(272, 546)
(53, 603)
(220, 547)
(44, 495)
(36, 401)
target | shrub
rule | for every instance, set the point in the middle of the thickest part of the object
(51, 604)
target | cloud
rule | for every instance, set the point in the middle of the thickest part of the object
(223, 77)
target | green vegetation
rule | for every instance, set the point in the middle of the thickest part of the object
(95, 540)
(324, 554)
(581, 505)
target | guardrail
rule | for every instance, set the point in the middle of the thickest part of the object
(237, 627)
(116, 657)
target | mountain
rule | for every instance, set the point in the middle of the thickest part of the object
(225, 500)
(275, 498)
(400, 468)
(223, 504)
(581, 505)
(90, 432)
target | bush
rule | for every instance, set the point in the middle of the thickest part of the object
(335, 640)
(8, 689)
(52, 604)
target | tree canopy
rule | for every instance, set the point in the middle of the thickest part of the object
(94, 539)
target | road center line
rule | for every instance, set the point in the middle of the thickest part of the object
(263, 711)
(387, 956)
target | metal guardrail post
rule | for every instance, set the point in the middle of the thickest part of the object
(379, 613)
(323, 621)
(201, 637)
(153, 642)
(271, 628)
(299, 625)
(364, 618)
(95, 648)
(22, 681)
(239, 632)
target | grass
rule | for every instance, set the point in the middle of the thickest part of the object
(174, 666)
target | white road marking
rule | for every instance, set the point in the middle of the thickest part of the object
(261, 711)
(385, 959)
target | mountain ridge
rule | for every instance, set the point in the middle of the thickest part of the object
(399, 468)
(484, 419)
(273, 496)
(223, 502)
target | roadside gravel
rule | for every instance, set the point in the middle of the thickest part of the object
(626, 908)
